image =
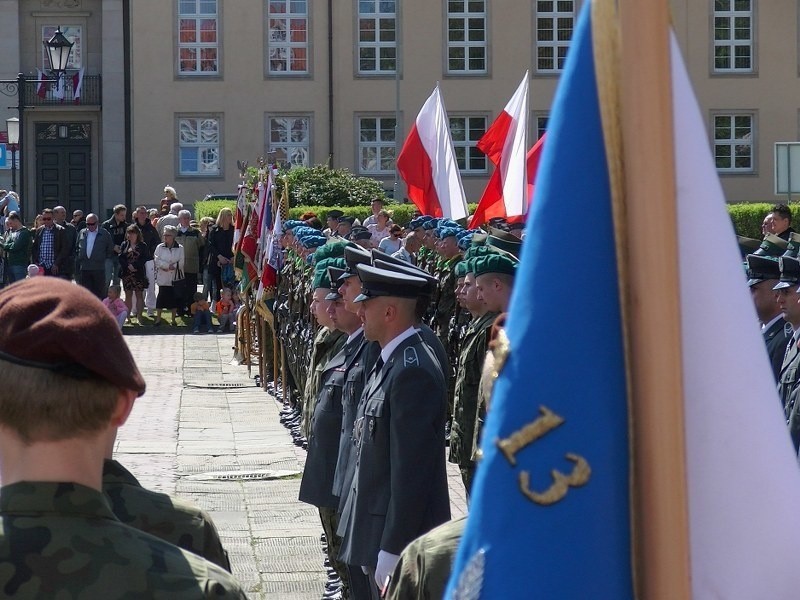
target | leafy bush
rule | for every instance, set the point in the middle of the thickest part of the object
(211, 208)
(747, 217)
(321, 186)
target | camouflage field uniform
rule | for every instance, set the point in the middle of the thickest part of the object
(61, 540)
(465, 411)
(425, 565)
(327, 344)
(170, 519)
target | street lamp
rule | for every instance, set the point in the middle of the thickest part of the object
(58, 50)
(12, 127)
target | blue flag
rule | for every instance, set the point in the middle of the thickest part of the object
(550, 513)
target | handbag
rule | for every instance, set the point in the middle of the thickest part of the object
(179, 284)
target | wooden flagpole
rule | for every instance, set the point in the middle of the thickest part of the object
(660, 499)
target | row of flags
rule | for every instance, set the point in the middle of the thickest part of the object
(557, 506)
(59, 91)
(427, 163)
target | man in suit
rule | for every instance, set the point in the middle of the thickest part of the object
(764, 274)
(71, 240)
(95, 245)
(399, 489)
(50, 245)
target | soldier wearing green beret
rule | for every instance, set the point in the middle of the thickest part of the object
(58, 534)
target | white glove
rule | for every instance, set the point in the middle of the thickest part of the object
(385, 567)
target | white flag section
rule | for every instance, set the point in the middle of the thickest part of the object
(743, 476)
(513, 162)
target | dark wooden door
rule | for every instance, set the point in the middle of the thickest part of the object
(63, 177)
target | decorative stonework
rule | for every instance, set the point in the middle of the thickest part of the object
(61, 3)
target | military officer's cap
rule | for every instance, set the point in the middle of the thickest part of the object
(793, 245)
(360, 233)
(790, 272)
(496, 263)
(504, 240)
(354, 256)
(52, 324)
(348, 219)
(335, 214)
(761, 268)
(516, 225)
(409, 269)
(335, 270)
(747, 245)
(497, 222)
(377, 282)
(772, 245)
(479, 239)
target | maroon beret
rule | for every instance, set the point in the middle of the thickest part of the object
(50, 323)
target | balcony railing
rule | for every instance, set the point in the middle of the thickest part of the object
(36, 93)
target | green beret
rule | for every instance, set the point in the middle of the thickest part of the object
(496, 263)
(460, 269)
(476, 251)
(469, 265)
(330, 250)
(321, 279)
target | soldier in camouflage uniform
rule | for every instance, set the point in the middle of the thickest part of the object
(170, 519)
(468, 376)
(58, 535)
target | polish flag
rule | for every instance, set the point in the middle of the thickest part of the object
(427, 163)
(77, 85)
(505, 143)
(41, 87)
(241, 206)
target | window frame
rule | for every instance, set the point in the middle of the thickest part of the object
(731, 44)
(377, 45)
(198, 45)
(289, 45)
(538, 130)
(555, 44)
(394, 145)
(179, 173)
(467, 171)
(732, 141)
(269, 146)
(466, 44)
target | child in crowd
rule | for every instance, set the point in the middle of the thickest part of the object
(201, 313)
(115, 304)
(226, 312)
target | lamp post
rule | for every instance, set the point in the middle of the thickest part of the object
(12, 127)
(58, 50)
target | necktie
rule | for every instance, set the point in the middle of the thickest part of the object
(378, 365)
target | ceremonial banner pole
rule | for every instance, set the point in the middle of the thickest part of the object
(660, 477)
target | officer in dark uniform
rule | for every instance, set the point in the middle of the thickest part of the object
(764, 274)
(399, 488)
(789, 377)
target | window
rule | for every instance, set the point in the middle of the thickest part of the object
(733, 143)
(466, 131)
(466, 37)
(199, 146)
(289, 140)
(376, 145)
(287, 37)
(541, 125)
(733, 36)
(377, 36)
(198, 47)
(555, 20)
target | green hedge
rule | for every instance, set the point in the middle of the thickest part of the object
(401, 213)
(747, 217)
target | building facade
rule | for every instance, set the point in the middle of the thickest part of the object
(73, 148)
(186, 88)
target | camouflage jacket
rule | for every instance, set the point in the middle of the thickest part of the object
(171, 519)
(327, 344)
(468, 378)
(61, 540)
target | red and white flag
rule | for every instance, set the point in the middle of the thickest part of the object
(77, 85)
(41, 88)
(427, 163)
(505, 144)
(241, 206)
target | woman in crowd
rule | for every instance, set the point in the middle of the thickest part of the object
(393, 243)
(220, 253)
(132, 258)
(205, 227)
(170, 196)
(380, 229)
(17, 245)
(168, 261)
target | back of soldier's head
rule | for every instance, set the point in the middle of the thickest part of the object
(67, 360)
